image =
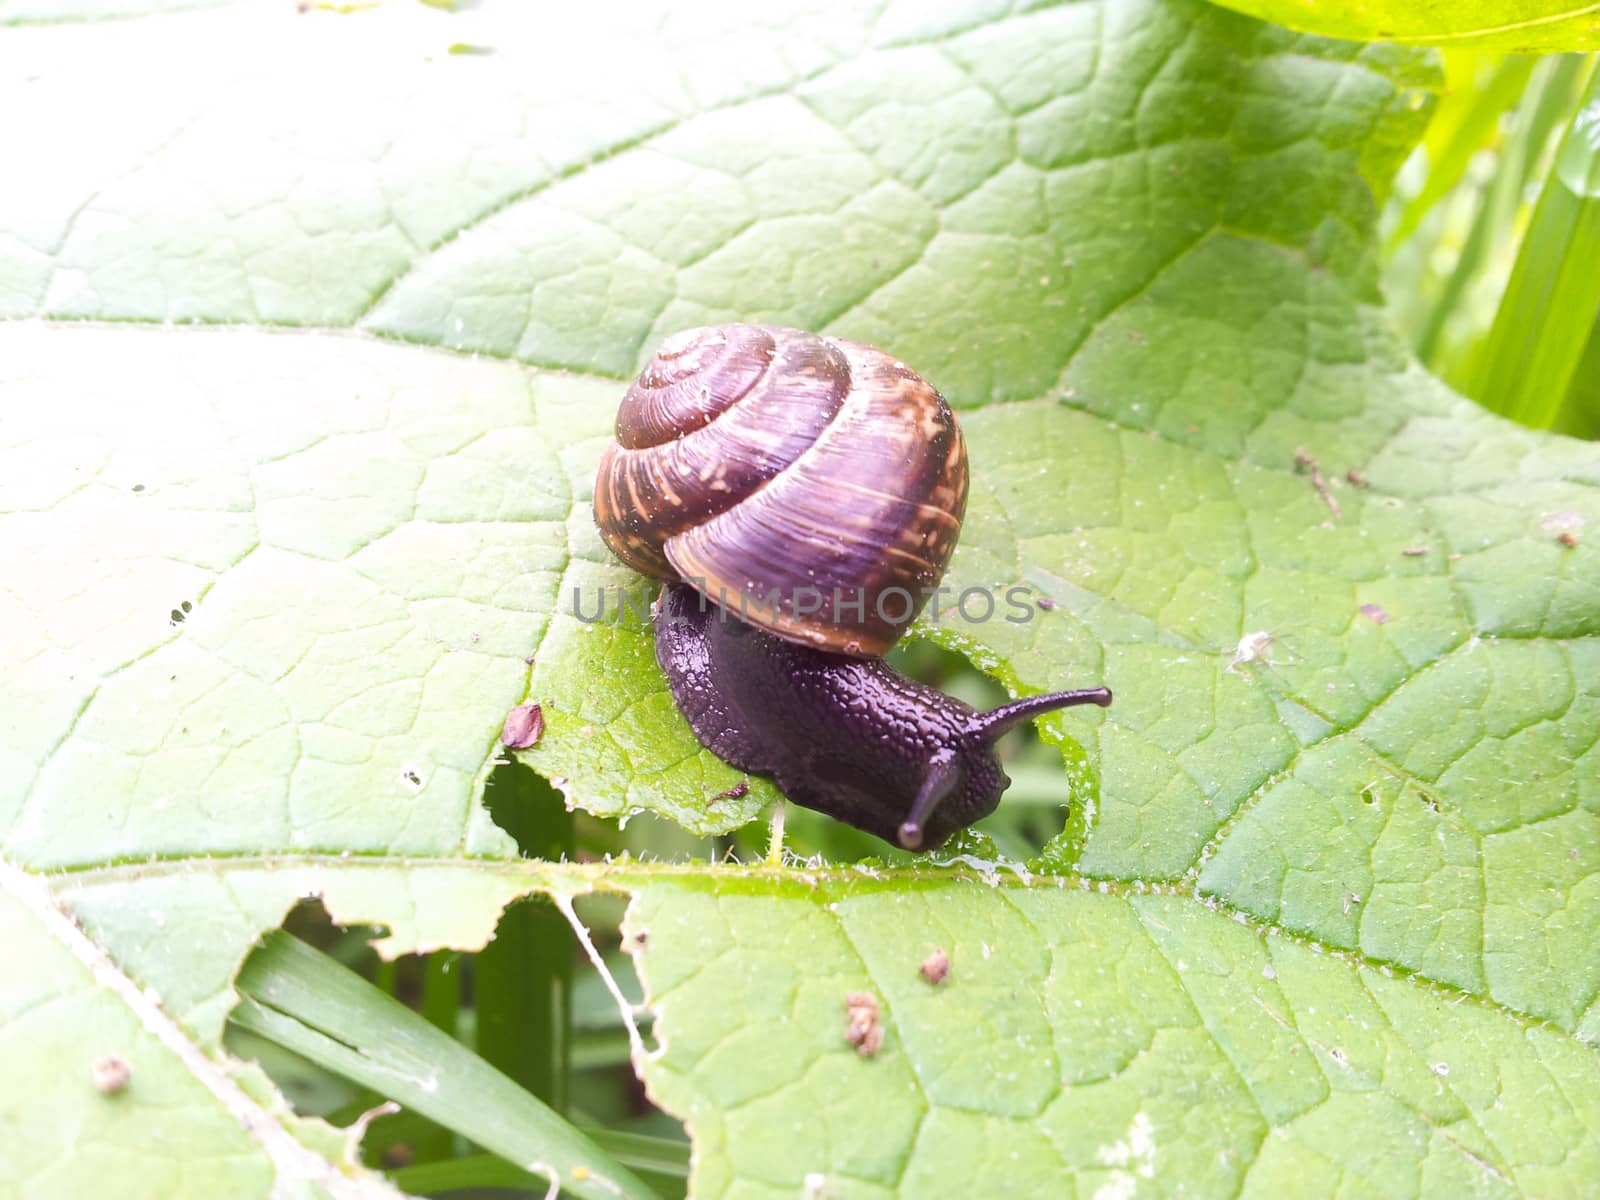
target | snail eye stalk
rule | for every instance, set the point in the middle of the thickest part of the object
(996, 723)
(939, 782)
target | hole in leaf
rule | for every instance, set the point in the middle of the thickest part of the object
(527, 806)
(460, 1041)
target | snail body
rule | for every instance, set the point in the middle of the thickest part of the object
(802, 496)
(851, 737)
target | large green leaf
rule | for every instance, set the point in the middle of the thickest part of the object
(1518, 25)
(1132, 1042)
(314, 339)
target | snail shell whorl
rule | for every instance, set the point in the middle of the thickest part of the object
(790, 469)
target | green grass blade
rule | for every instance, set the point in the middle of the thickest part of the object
(441, 990)
(303, 1000)
(388, 976)
(599, 1049)
(1542, 327)
(522, 980)
(1448, 277)
(1562, 79)
(660, 1158)
(1580, 415)
(473, 1171)
(441, 1008)
(1477, 127)
(1489, 224)
(657, 1155)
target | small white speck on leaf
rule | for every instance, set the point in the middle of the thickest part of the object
(1253, 647)
(1563, 522)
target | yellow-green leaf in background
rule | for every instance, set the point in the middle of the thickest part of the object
(1546, 26)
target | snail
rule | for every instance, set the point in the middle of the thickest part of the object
(801, 496)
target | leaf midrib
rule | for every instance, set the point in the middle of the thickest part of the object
(625, 876)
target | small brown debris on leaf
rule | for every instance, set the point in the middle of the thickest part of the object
(1566, 525)
(1356, 478)
(742, 788)
(936, 967)
(864, 1028)
(1305, 462)
(1376, 613)
(397, 1155)
(523, 728)
(110, 1075)
(1414, 551)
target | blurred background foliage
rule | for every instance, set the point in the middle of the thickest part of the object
(1491, 241)
(1492, 238)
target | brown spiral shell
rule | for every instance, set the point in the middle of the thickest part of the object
(778, 470)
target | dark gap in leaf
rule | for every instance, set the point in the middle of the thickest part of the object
(316, 1091)
(524, 804)
(530, 1005)
(350, 944)
(529, 808)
